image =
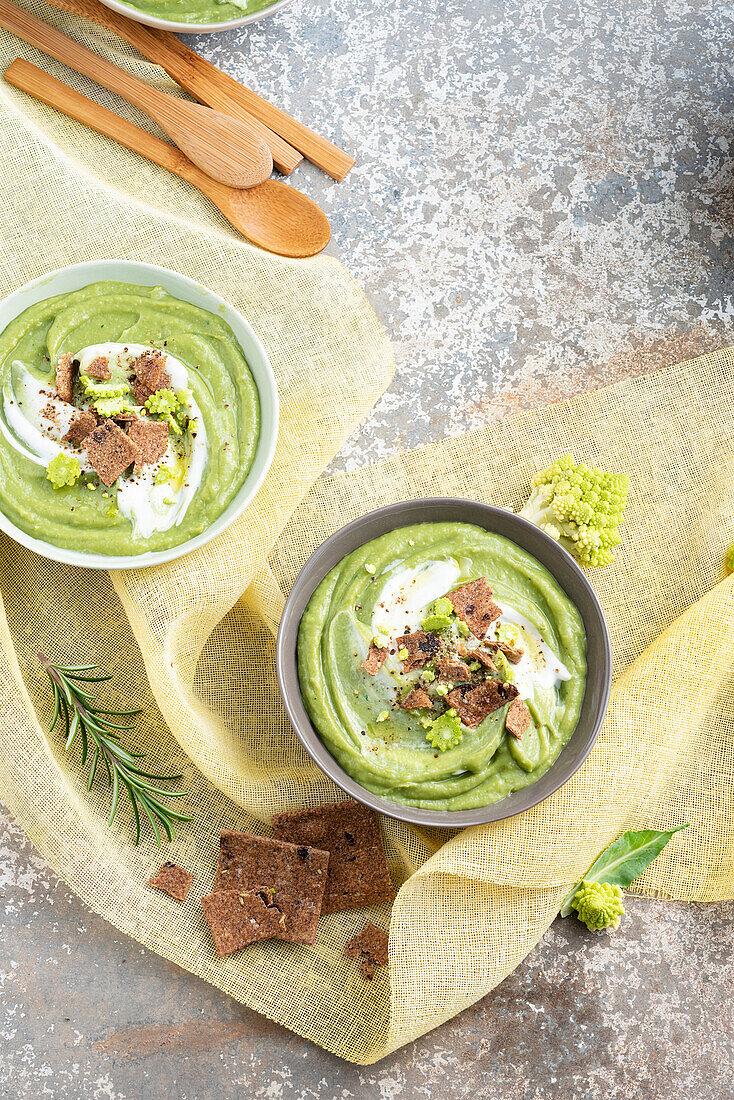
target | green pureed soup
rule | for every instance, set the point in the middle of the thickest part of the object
(199, 11)
(129, 419)
(442, 666)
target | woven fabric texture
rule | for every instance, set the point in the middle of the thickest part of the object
(193, 642)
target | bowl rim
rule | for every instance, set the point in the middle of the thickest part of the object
(147, 274)
(332, 550)
(192, 28)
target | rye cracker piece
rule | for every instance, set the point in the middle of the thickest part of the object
(172, 880)
(349, 832)
(421, 648)
(151, 436)
(451, 670)
(99, 368)
(81, 426)
(514, 655)
(417, 699)
(240, 917)
(150, 375)
(110, 452)
(375, 659)
(370, 947)
(473, 704)
(473, 604)
(66, 369)
(518, 719)
(297, 873)
(483, 658)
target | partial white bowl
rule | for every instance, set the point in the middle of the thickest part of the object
(192, 28)
(76, 276)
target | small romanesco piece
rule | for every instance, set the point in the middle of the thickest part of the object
(598, 905)
(63, 470)
(580, 507)
(445, 732)
(504, 668)
(730, 560)
(106, 398)
(440, 616)
(109, 406)
(164, 474)
(170, 406)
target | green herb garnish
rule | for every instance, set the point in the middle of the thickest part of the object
(81, 715)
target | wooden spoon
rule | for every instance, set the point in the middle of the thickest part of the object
(223, 147)
(285, 157)
(272, 215)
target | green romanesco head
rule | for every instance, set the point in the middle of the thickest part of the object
(581, 507)
(598, 905)
(63, 470)
(445, 732)
(440, 615)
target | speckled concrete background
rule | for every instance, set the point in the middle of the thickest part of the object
(543, 202)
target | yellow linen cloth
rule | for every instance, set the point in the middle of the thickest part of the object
(193, 642)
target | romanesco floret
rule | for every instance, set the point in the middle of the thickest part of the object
(107, 398)
(504, 668)
(598, 905)
(109, 406)
(63, 470)
(170, 406)
(445, 732)
(164, 474)
(730, 560)
(440, 615)
(580, 507)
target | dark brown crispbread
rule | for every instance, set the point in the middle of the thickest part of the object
(81, 426)
(151, 436)
(350, 833)
(99, 368)
(173, 880)
(472, 704)
(417, 699)
(150, 374)
(240, 917)
(450, 670)
(297, 873)
(110, 452)
(482, 657)
(473, 604)
(375, 659)
(66, 369)
(513, 655)
(370, 946)
(518, 719)
(420, 646)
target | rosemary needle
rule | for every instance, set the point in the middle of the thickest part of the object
(75, 706)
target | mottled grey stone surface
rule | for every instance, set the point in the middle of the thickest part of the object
(543, 202)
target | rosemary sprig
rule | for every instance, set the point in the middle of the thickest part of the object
(76, 707)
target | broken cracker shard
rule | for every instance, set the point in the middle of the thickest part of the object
(357, 872)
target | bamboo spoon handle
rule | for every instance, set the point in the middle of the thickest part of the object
(207, 83)
(51, 41)
(285, 157)
(39, 84)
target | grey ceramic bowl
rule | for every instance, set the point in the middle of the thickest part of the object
(530, 538)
